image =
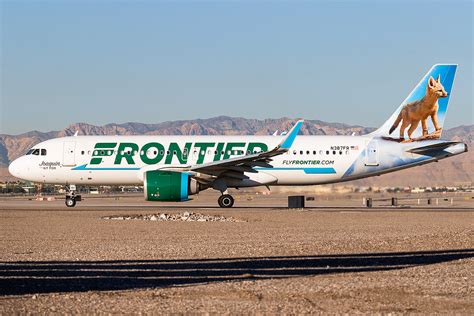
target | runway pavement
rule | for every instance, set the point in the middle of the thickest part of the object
(335, 256)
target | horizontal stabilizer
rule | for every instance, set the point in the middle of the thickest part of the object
(432, 150)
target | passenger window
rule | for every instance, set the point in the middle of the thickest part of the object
(301, 152)
(43, 152)
(314, 152)
(82, 152)
(327, 152)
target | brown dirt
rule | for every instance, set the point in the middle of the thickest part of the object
(336, 260)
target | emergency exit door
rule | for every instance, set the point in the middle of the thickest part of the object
(372, 153)
(69, 154)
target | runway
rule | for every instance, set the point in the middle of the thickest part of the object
(322, 259)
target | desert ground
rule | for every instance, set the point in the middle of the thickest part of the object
(335, 256)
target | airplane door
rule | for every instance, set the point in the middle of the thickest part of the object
(372, 153)
(69, 154)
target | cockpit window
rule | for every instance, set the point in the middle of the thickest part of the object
(36, 152)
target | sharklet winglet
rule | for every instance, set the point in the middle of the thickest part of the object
(290, 137)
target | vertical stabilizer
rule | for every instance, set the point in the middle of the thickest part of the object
(422, 114)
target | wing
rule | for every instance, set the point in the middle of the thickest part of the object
(235, 167)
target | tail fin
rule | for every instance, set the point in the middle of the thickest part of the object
(440, 76)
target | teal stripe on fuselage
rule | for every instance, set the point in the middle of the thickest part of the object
(306, 170)
(84, 167)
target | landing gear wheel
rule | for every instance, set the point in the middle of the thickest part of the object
(226, 200)
(70, 202)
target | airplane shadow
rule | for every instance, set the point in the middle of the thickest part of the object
(27, 277)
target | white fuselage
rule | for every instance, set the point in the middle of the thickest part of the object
(88, 160)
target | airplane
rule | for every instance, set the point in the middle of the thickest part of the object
(173, 168)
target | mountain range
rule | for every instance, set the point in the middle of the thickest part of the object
(447, 172)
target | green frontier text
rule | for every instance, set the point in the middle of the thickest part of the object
(153, 152)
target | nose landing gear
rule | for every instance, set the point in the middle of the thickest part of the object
(226, 201)
(70, 201)
(71, 196)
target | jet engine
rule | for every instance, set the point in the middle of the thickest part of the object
(162, 185)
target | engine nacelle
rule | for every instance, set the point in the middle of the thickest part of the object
(160, 185)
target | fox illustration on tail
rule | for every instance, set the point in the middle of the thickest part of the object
(412, 113)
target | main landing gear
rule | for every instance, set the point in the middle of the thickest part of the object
(72, 197)
(226, 201)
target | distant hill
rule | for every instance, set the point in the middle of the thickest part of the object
(446, 172)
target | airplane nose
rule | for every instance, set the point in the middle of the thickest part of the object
(14, 168)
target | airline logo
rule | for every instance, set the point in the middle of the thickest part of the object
(154, 152)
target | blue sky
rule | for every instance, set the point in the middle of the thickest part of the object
(115, 61)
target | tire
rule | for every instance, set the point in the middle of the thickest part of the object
(226, 201)
(70, 202)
